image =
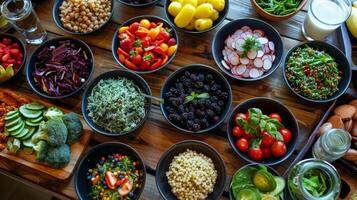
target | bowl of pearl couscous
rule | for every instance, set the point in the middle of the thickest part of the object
(191, 170)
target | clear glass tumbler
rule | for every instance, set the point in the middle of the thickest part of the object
(324, 16)
(24, 19)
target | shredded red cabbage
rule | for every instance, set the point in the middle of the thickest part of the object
(61, 70)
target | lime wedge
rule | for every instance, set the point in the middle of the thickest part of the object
(9, 71)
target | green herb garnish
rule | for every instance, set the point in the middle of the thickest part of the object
(147, 57)
(314, 181)
(195, 95)
(250, 43)
(137, 43)
(133, 53)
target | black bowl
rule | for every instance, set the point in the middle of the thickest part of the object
(270, 169)
(31, 65)
(217, 22)
(90, 159)
(228, 29)
(139, 5)
(341, 60)
(115, 41)
(138, 80)
(56, 18)
(22, 48)
(267, 106)
(204, 69)
(201, 147)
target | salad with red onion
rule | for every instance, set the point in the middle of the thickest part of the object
(61, 69)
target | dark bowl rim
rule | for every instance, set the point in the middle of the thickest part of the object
(137, 18)
(59, 23)
(336, 51)
(82, 44)
(24, 52)
(103, 145)
(193, 142)
(266, 74)
(139, 5)
(224, 16)
(276, 161)
(282, 17)
(188, 67)
(270, 169)
(101, 130)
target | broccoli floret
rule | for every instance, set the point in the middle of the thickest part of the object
(41, 150)
(58, 156)
(13, 145)
(41, 133)
(74, 127)
(57, 132)
(53, 112)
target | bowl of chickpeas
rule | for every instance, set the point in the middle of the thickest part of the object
(81, 17)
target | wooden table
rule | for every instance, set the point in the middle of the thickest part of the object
(157, 135)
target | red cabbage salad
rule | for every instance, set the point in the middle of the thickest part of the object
(61, 69)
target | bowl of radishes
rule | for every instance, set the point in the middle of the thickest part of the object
(247, 49)
(262, 130)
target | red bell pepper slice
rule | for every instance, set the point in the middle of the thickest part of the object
(131, 36)
(110, 180)
(144, 65)
(141, 33)
(157, 62)
(159, 51)
(121, 58)
(165, 59)
(130, 65)
(158, 42)
(119, 182)
(121, 51)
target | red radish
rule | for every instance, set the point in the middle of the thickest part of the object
(271, 46)
(260, 53)
(241, 69)
(258, 63)
(244, 61)
(263, 40)
(225, 65)
(254, 73)
(252, 54)
(246, 73)
(267, 64)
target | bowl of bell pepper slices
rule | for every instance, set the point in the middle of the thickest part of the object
(145, 44)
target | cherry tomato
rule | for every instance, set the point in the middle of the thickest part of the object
(242, 144)
(255, 154)
(247, 136)
(267, 139)
(134, 27)
(266, 152)
(286, 133)
(275, 116)
(278, 149)
(240, 116)
(136, 59)
(237, 131)
(171, 42)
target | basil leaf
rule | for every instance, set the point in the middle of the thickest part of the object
(262, 125)
(203, 96)
(276, 135)
(254, 119)
(256, 111)
(255, 143)
(276, 123)
(188, 99)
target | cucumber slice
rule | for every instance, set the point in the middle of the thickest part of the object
(28, 143)
(32, 130)
(31, 114)
(12, 112)
(28, 123)
(18, 131)
(35, 106)
(8, 124)
(280, 185)
(22, 134)
(16, 126)
(12, 116)
(37, 120)
(248, 194)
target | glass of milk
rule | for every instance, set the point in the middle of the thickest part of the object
(324, 16)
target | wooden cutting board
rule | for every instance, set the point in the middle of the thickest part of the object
(29, 160)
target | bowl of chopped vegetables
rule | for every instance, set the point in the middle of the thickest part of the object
(193, 162)
(115, 103)
(262, 131)
(197, 98)
(254, 181)
(60, 67)
(145, 44)
(110, 170)
(316, 71)
(278, 10)
(247, 49)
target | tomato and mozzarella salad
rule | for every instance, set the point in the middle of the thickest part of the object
(261, 136)
(145, 45)
(115, 177)
(248, 53)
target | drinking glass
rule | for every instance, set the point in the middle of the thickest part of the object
(24, 19)
(324, 16)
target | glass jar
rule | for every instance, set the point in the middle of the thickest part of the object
(332, 145)
(295, 180)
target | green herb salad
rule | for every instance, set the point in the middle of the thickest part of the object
(313, 73)
(116, 105)
(279, 7)
(257, 183)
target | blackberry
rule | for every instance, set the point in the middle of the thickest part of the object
(209, 113)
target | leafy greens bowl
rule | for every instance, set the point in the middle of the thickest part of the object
(267, 106)
(114, 103)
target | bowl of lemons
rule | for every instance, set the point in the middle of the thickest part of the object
(196, 16)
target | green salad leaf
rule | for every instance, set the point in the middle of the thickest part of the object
(314, 181)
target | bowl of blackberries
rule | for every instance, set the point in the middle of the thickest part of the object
(197, 98)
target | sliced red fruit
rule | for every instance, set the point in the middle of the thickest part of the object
(126, 188)
(110, 179)
(14, 52)
(6, 41)
(5, 57)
